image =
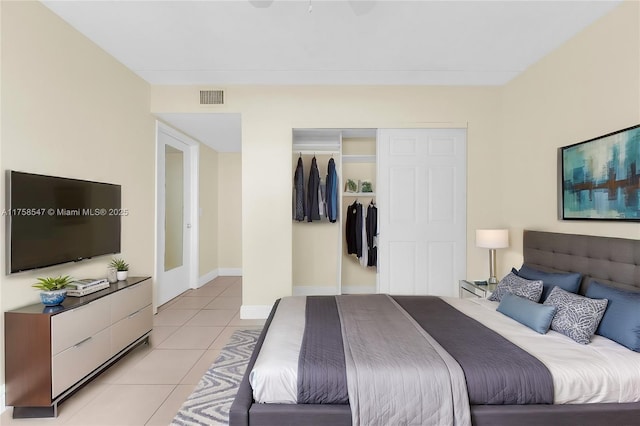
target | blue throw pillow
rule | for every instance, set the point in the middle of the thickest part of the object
(534, 315)
(565, 280)
(621, 320)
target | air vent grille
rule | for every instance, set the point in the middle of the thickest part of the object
(211, 97)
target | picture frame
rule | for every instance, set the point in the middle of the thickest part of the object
(599, 178)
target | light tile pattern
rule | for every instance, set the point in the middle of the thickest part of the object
(148, 385)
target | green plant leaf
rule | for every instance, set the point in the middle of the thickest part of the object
(52, 283)
(119, 264)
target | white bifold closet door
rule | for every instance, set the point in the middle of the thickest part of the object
(422, 210)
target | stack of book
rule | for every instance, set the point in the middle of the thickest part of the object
(79, 288)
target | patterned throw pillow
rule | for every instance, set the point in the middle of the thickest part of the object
(577, 316)
(519, 286)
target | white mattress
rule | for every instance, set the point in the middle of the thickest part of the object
(602, 371)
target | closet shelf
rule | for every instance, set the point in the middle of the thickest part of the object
(351, 158)
(358, 194)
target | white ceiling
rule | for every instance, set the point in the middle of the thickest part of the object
(339, 42)
(220, 131)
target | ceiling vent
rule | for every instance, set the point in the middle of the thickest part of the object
(211, 97)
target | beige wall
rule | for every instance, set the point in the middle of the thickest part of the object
(230, 210)
(209, 214)
(588, 87)
(221, 211)
(269, 114)
(69, 109)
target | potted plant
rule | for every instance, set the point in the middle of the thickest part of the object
(122, 267)
(53, 289)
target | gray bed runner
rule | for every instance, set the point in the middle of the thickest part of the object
(322, 376)
(496, 370)
(396, 373)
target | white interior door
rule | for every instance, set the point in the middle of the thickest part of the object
(422, 210)
(176, 219)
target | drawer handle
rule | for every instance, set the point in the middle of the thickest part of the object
(136, 285)
(79, 308)
(136, 313)
(83, 341)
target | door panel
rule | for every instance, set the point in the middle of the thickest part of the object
(174, 208)
(422, 210)
(402, 199)
(174, 212)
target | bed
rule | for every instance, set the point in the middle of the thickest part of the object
(612, 261)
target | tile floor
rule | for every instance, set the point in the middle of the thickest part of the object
(148, 385)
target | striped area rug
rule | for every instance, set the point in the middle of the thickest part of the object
(210, 401)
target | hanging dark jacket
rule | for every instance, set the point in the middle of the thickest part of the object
(332, 191)
(372, 231)
(353, 229)
(298, 192)
(313, 210)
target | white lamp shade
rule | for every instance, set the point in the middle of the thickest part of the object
(492, 238)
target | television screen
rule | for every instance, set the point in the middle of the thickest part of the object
(53, 220)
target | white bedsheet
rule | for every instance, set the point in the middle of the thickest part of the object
(274, 377)
(602, 371)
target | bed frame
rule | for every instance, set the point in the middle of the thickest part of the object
(615, 261)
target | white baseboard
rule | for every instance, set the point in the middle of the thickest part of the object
(220, 272)
(208, 277)
(230, 272)
(255, 311)
(358, 289)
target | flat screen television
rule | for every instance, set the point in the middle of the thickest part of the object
(53, 220)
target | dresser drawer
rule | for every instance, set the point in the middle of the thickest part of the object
(130, 300)
(130, 328)
(73, 364)
(71, 327)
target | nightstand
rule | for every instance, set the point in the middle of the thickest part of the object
(471, 289)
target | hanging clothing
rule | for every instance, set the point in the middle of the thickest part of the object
(365, 252)
(332, 191)
(353, 229)
(372, 234)
(299, 202)
(313, 211)
(322, 197)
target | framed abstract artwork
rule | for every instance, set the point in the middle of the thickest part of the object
(600, 178)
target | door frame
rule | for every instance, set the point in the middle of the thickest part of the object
(192, 151)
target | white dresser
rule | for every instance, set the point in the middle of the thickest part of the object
(49, 352)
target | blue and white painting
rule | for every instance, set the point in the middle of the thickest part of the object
(601, 177)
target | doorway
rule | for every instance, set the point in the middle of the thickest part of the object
(177, 219)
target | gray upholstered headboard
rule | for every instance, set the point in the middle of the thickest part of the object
(609, 260)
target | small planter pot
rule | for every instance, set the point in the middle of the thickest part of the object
(122, 275)
(53, 298)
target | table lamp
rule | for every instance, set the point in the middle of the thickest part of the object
(492, 239)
